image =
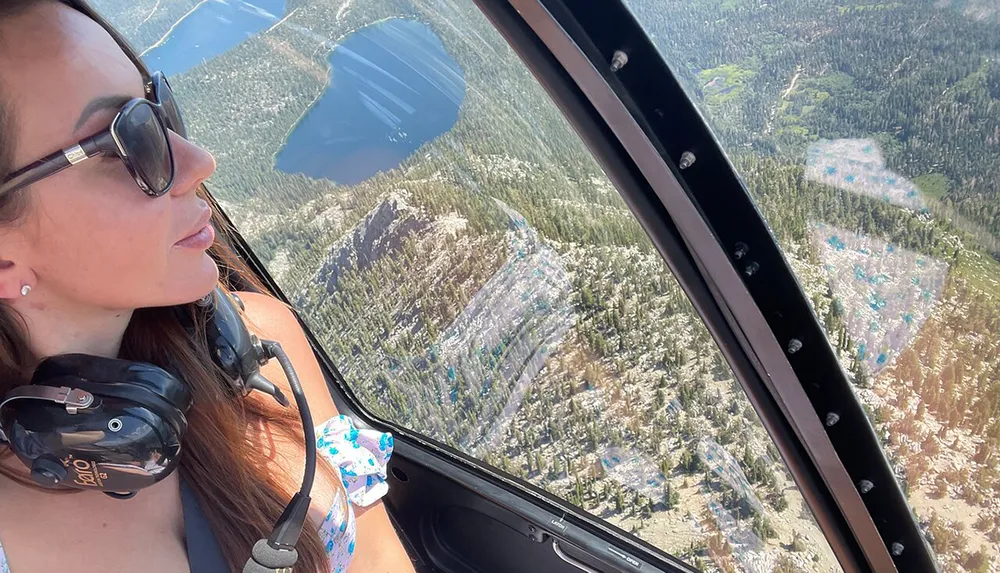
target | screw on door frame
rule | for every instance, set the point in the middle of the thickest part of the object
(687, 160)
(618, 60)
(741, 250)
(794, 345)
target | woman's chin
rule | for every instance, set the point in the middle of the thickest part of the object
(198, 281)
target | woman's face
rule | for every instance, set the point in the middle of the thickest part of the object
(90, 236)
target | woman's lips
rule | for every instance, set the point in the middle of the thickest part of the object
(203, 239)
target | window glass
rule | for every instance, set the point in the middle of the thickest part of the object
(869, 134)
(470, 269)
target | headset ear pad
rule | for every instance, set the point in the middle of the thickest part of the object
(144, 384)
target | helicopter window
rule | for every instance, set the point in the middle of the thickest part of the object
(869, 135)
(469, 267)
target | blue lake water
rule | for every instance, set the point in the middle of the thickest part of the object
(212, 28)
(393, 87)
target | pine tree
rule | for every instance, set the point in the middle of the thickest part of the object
(859, 374)
(686, 461)
(666, 464)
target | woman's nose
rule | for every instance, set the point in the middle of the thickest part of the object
(192, 165)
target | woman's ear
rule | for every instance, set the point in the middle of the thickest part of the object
(16, 281)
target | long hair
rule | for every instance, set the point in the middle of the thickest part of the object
(241, 499)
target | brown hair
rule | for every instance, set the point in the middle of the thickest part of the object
(241, 499)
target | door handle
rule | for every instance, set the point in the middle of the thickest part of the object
(570, 560)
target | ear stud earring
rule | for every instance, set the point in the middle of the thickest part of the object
(25, 290)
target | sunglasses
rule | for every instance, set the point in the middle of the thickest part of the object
(137, 135)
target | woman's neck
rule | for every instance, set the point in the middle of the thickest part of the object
(62, 329)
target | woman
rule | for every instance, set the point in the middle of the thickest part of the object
(92, 258)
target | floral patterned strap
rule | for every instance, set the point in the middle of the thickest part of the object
(362, 458)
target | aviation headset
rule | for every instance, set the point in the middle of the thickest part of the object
(113, 425)
(117, 426)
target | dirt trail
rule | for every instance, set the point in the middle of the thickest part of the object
(773, 112)
(791, 85)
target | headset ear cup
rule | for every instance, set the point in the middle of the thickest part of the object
(54, 370)
(127, 439)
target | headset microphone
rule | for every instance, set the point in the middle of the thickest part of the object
(116, 426)
(237, 352)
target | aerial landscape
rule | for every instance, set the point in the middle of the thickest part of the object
(476, 277)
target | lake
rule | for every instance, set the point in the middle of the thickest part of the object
(392, 88)
(210, 29)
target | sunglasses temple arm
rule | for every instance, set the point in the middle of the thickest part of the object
(36, 172)
(48, 166)
(101, 144)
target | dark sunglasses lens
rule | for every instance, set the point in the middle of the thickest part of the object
(145, 141)
(165, 97)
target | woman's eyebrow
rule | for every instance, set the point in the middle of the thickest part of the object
(100, 103)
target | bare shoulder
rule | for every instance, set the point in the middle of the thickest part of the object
(270, 319)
